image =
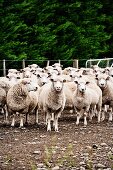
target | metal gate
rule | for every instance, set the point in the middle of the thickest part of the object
(106, 62)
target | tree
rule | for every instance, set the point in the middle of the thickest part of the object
(39, 30)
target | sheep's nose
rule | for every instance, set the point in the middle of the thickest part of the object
(58, 88)
(83, 90)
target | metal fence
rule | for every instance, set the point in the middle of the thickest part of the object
(5, 65)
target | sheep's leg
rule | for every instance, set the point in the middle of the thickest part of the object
(85, 119)
(46, 118)
(78, 118)
(52, 119)
(26, 118)
(110, 116)
(36, 115)
(91, 114)
(21, 121)
(56, 123)
(13, 121)
(6, 114)
(99, 116)
(48, 122)
(103, 115)
(104, 111)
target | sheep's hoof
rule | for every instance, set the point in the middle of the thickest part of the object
(48, 130)
(26, 123)
(110, 120)
(85, 126)
(36, 125)
(56, 130)
(21, 127)
(77, 123)
(12, 126)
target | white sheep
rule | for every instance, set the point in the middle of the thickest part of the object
(106, 86)
(85, 98)
(19, 99)
(52, 101)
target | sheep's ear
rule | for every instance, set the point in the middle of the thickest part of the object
(29, 66)
(38, 75)
(64, 80)
(80, 76)
(108, 78)
(104, 71)
(87, 82)
(52, 79)
(84, 72)
(21, 70)
(76, 81)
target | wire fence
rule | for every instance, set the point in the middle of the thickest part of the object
(5, 65)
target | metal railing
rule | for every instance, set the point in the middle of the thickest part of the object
(99, 61)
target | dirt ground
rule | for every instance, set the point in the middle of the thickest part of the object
(73, 147)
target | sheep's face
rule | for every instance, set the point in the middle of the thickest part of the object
(43, 77)
(82, 87)
(27, 72)
(57, 84)
(31, 86)
(111, 73)
(102, 83)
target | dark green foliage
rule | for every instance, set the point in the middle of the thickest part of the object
(40, 30)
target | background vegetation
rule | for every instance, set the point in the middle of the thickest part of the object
(71, 29)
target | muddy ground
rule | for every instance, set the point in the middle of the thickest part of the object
(73, 147)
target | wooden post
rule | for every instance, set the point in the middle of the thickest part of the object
(107, 63)
(48, 63)
(75, 63)
(23, 63)
(90, 64)
(4, 68)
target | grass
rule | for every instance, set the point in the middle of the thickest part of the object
(51, 157)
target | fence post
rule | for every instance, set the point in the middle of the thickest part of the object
(23, 63)
(90, 63)
(107, 63)
(4, 68)
(48, 63)
(75, 63)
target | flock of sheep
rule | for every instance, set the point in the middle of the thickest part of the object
(87, 92)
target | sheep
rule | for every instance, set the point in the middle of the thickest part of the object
(26, 72)
(85, 98)
(69, 88)
(13, 78)
(106, 86)
(20, 100)
(3, 104)
(52, 101)
(42, 78)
